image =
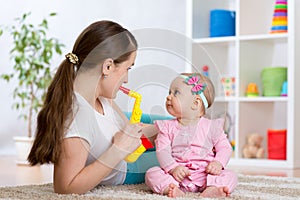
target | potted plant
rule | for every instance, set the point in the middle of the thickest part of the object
(31, 55)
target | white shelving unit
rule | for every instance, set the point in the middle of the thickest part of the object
(243, 56)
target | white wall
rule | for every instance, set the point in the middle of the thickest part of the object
(155, 64)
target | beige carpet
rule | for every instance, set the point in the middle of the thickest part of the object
(249, 187)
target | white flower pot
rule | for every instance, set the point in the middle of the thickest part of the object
(23, 146)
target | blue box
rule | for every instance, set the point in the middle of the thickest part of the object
(222, 23)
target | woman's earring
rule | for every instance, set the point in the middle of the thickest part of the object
(105, 75)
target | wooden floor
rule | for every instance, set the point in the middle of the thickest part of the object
(12, 174)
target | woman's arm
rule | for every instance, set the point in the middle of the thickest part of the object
(70, 173)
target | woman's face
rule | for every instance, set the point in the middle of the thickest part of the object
(180, 99)
(118, 76)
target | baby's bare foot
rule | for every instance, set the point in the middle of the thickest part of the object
(215, 192)
(174, 191)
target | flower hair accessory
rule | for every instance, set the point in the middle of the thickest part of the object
(72, 58)
(198, 88)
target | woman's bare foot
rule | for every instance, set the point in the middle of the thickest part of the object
(174, 191)
(213, 191)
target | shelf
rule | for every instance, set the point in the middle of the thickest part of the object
(244, 57)
(264, 37)
(259, 162)
(263, 99)
(251, 99)
(257, 53)
(225, 99)
(209, 40)
(217, 40)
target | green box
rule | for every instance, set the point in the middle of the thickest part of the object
(272, 80)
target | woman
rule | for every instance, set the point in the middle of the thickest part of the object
(80, 129)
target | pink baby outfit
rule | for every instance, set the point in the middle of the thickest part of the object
(193, 147)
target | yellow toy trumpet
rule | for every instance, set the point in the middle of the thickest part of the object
(136, 116)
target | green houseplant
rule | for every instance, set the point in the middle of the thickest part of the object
(31, 55)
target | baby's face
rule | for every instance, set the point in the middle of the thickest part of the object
(180, 99)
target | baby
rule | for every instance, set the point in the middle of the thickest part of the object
(192, 150)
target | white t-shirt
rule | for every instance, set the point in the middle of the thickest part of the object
(98, 130)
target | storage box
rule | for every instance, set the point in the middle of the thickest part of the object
(277, 144)
(272, 79)
(222, 23)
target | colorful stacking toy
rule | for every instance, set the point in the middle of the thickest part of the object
(280, 22)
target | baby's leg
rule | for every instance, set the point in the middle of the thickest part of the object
(161, 182)
(221, 185)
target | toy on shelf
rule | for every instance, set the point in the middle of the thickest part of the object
(228, 86)
(280, 22)
(284, 89)
(136, 116)
(232, 142)
(205, 70)
(252, 90)
(253, 147)
(222, 23)
(272, 80)
(277, 144)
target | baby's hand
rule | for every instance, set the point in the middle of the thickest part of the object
(214, 168)
(180, 172)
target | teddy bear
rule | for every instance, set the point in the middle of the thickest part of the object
(253, 147)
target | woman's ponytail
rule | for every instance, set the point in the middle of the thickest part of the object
(52, 118)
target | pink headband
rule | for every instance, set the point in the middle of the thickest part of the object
(198, 87)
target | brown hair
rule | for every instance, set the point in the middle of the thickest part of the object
(209, 91)
(99, 41)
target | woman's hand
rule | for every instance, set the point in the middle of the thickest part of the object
(214, 168)
(180, 172)
(128, 140)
